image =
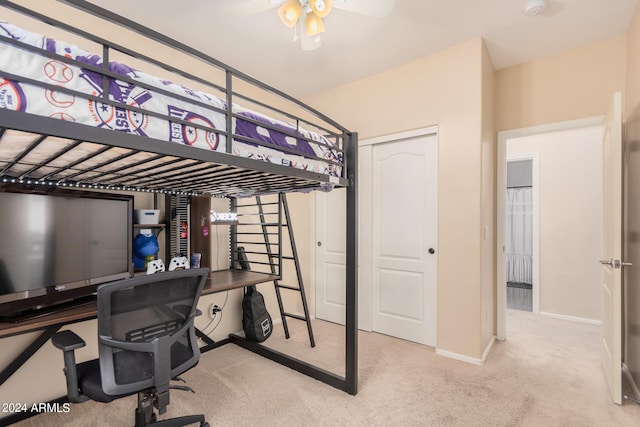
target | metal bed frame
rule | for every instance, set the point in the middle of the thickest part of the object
(151, 165)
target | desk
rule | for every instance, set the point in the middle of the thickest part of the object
(218, 281)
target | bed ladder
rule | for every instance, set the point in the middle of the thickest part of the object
(299, 287)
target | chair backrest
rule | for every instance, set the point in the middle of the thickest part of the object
(145, 329)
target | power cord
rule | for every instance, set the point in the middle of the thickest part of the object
(215, 316)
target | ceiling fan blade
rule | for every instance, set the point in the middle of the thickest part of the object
(377, 8)
(250, 7)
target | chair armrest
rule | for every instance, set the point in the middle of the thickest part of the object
(68, 341)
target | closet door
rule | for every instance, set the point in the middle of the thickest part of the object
(331, 255)
(404, 219)
(398, 224)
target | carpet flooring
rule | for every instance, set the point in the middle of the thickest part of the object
(547, 373)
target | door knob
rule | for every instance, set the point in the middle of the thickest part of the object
(432, 251)
(319, 243)
(615, 263)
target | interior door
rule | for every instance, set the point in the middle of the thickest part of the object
(330, 255)
(612, 249)
(404, 210)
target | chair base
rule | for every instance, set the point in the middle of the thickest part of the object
(146, 416)
(181, 421)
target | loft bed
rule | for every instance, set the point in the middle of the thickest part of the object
(130, 131)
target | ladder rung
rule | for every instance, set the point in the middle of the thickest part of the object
(293, 288)
(258, 204)
(296, 316)
(276, 255)
(256, 243)
(253, 253)
(255, 234)
(257, 213)
(263, 263)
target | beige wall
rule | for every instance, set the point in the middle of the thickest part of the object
(443, 89)
(569, 218)
(571, 85)
(631, 251)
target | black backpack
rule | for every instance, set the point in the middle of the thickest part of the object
(256, 321)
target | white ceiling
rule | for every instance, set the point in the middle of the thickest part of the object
(355, 45)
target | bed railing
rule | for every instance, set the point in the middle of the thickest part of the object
(335, 136)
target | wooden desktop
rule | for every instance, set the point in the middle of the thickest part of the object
(219, 281)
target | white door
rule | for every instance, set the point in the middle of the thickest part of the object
(397, 287)
(612, 249)
(404, 212)
(330, 255)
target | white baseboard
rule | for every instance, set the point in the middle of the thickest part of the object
(467, 359)
(632, 383)
(488, 349)
(571, 318)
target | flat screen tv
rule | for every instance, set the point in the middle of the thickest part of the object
(56, 247)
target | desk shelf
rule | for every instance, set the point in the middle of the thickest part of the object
(218, 281)
(151, 226)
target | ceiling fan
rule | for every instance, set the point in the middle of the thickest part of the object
(306, 16)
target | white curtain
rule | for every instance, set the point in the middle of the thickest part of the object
(519, 237)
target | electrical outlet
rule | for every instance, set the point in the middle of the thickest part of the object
(214, 309)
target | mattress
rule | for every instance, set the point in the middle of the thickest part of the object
(156, 108)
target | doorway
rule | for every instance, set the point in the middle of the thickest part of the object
(521, 243)
(569, 160)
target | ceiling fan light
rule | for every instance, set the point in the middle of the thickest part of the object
(321, 7)
(314, 24)
(290, 12)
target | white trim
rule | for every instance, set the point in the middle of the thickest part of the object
(501, 204)
(365, 241)
(630, 380)
(552, 127)
(501, 226)
(488, 349)
(535, 238)
(431, 130)
(571, 318)
(467, 359)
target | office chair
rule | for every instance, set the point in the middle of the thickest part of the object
(146, 337)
